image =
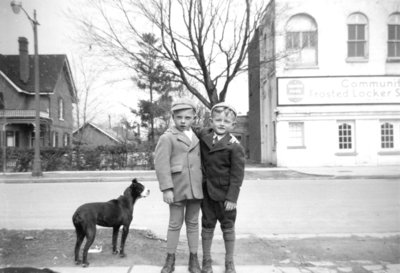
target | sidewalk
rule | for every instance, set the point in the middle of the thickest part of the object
(367, 172)
(320, 267)
(251, 173)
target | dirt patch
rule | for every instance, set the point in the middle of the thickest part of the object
(49, 248)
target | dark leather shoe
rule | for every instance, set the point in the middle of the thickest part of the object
(169, 265)
(194, 266)
(230, 267)
(207, 266)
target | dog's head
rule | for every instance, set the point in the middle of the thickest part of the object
(137, 190)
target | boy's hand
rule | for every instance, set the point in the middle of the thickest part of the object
(234, 139)
(229, 205)
(168, 196)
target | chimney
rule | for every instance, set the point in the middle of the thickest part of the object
(23, 59)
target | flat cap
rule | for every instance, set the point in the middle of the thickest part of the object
(224, 105)
(183, 103)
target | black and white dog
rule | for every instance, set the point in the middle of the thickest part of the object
(114, 213)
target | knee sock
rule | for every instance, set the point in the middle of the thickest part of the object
(206, 241)
(172, 241)
(229, 240)
(192, 232)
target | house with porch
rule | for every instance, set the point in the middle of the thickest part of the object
(17, 99)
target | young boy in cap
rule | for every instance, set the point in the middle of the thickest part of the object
(178, 169)
(223, 171)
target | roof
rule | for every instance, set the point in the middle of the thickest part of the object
(109, 135)
(50, 68)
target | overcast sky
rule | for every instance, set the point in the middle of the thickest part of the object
(55, 37)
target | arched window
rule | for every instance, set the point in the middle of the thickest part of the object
(301, 40)
(394, 36)
(357, 36)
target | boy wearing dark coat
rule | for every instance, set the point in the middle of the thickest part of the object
(223, 172)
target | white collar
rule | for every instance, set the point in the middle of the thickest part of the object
(189, 133)
(219, 137)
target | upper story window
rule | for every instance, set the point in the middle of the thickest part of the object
(301, 41)
(357, 37)
(61, 109)
(394, 36)
(1, 101)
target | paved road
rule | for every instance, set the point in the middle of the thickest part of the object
(284, 207)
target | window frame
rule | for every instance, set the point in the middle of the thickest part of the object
(66, 140)
(345, 150)
(54, 139)
(387, 136)
(2, 103)
(393, 21)
(301, 40)
(394, 134)
(296, 138)
(14, 137)
(61, 109)
(358, 20)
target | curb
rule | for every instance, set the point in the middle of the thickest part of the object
(309, 268)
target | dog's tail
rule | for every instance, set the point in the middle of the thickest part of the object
(77, 220)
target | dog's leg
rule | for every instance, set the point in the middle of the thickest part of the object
(114, 239)
(80, 236)
(125, 231)
(90, 235)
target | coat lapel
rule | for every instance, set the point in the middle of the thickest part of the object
(194, 142)
(208, 139)
(222, 144)
(181, 136)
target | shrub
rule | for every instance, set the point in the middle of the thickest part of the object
(118, 157)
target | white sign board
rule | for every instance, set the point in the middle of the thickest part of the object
(339, 90)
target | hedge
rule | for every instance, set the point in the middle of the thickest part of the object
(120, 157)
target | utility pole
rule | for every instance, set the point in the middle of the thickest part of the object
(36, 168)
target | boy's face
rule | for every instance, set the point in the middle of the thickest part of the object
(222, 123)
(183, 119)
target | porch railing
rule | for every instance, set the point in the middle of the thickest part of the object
(22, 114)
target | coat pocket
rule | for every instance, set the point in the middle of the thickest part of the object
(176, 169)
(224, 181)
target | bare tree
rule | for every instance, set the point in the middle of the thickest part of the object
(204, 41)
(86, 78)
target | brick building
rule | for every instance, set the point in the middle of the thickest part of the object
(17, 99)
(324, 84)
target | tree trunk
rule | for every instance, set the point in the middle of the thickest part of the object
(151, 114)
